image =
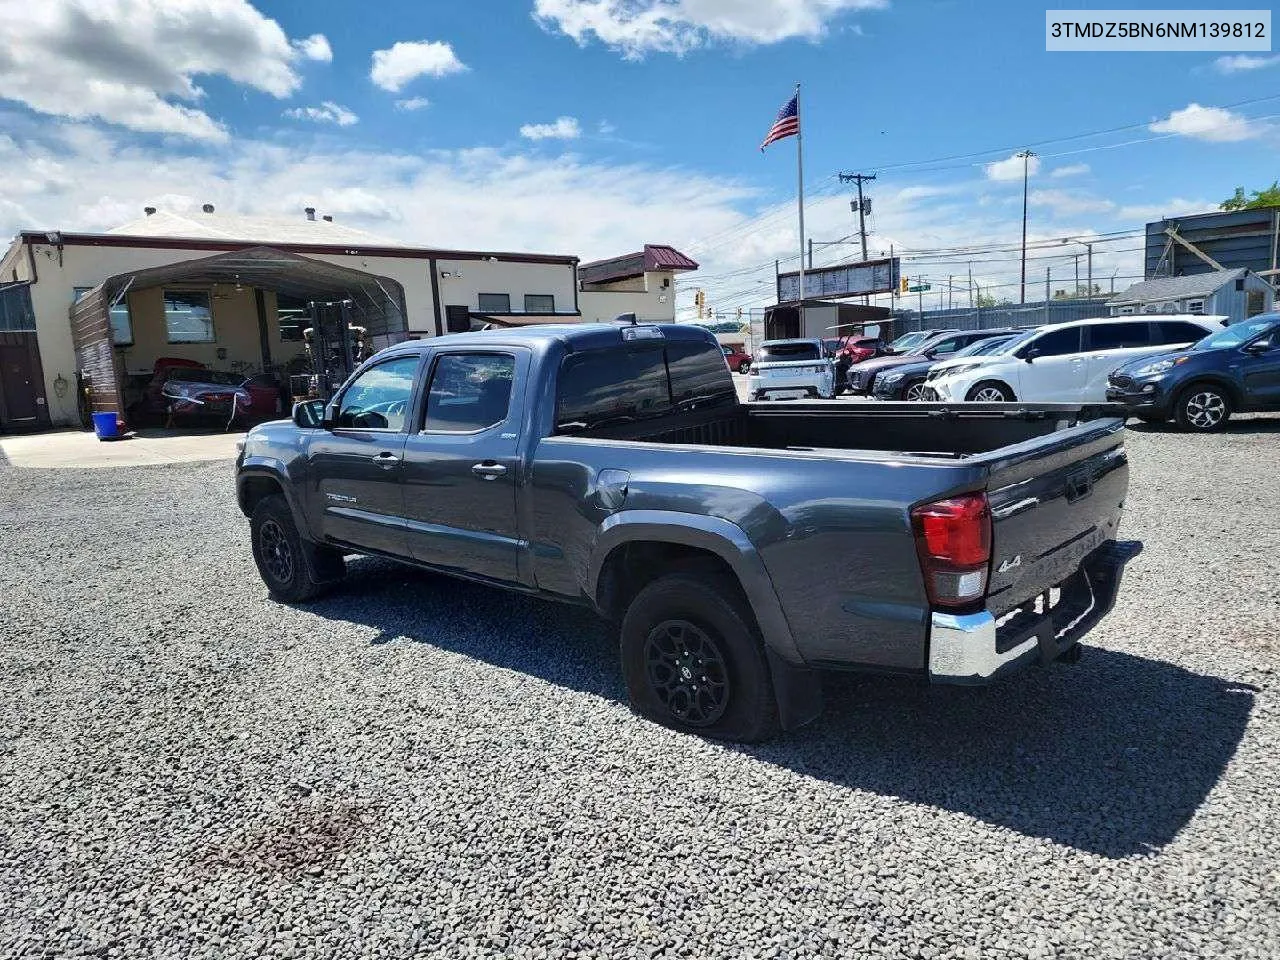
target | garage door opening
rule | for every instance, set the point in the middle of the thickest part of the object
(239, 334)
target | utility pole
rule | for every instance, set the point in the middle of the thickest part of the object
(950, 277)
(811, 253)
(1047, 282)
(1026, 156)
(1077, 258)
(863, 205)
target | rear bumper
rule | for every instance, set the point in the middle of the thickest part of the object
(975, 648)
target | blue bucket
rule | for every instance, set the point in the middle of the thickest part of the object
(104, 425)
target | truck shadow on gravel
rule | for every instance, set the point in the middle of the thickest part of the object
(1112, 756)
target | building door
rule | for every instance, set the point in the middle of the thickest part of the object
(22, 400)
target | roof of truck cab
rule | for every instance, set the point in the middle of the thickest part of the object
(576, 336)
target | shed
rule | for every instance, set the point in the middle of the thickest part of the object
(1237, 294)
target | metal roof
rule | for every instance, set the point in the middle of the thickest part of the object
(247, 229)
(1178, 288)
(653, 258)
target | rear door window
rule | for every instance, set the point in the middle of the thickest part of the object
(1055, 343)
(1119, 336)
(1178, 331)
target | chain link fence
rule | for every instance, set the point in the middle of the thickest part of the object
(1003, 315)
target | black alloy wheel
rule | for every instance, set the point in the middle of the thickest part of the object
(687, 672)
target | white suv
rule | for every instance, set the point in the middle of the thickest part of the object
(792, 370)
(1065, 362)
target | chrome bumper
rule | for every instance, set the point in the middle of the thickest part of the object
(962, 648)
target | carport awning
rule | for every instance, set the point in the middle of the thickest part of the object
(378, 301)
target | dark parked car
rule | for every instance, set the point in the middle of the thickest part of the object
(740, 548)
(906, 382)
(907, 341)
(1235, 369)
(940, 346)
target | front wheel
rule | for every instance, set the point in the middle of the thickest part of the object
(990, 391)
(1203, 408)
(744, 367)
(292, 570)
(915, 390)
(693, 659)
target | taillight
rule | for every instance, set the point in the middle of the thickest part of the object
(953, 539)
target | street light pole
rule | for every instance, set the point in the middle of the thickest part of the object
(1026, 156)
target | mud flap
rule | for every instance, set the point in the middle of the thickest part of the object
(798, 691)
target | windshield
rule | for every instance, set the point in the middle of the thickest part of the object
(1012, 344)
(1235, 334)
(192, 375)
(981, 348)
(786, 352)
(907, 340)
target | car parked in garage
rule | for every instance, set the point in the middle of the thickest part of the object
(907, 382)
(186, 391)
(1066, 362)
(1234, 369)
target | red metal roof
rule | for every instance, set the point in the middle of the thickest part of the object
(654, 257)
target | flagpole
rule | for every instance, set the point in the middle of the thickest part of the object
(800, 200)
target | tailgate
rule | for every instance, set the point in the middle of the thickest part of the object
(1053, 501)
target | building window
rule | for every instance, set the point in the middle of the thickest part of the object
(291, 316)
(1127, 311)
(121, 324)
(77, 293)
(1195, 306)
(495, 303)
(1255, 303)
(539, 303)
(188, 317)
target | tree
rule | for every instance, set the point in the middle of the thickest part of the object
(1269, 197)
(986, 300)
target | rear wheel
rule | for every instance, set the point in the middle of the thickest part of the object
(1203, 407)
(293, 571)
(914, 391)
(990, 391)
(693, 659)
(744, 366)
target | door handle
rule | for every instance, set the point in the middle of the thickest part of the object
(385, 459)
(489, 471)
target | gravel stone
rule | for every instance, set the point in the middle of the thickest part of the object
(417, 767)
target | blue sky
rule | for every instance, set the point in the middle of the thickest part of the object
(592, 126)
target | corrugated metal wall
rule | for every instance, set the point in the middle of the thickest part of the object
(95, 359)
(1240, 238)
(1015, 315)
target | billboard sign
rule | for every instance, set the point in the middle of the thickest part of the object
(845, 280)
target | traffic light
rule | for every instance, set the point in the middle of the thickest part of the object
(700, 301)
(903, 285)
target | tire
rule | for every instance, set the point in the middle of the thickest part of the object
(1203, 408)
(914, 391)
(693, 659)
(294, 571)
(744, 367)
(990, 391)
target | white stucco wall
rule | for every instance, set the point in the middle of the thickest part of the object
(648, 300)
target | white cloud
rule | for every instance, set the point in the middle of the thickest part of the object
(1207, 123)
(327, 112)
(637, 27)
(1242, 62)
(407, 60)
(1066, 203)
(315, 47)
(564, 128)
(413, 103)
(1011, 168)
(606, 128)
(133, 62)
(1173, 207)
(1070, 170)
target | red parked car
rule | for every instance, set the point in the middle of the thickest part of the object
(738, 361)
(182, 389)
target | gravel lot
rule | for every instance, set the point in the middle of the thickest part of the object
(417, 767)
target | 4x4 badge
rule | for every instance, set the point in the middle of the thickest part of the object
(1010, 564)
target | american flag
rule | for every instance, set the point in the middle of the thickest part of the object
(787, 124)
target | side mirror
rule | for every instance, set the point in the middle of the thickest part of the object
(309, 414)
(1258, 348)
(1031, 355)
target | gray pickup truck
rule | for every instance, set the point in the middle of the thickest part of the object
(740, 548)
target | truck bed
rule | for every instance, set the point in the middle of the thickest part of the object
(916, 429)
